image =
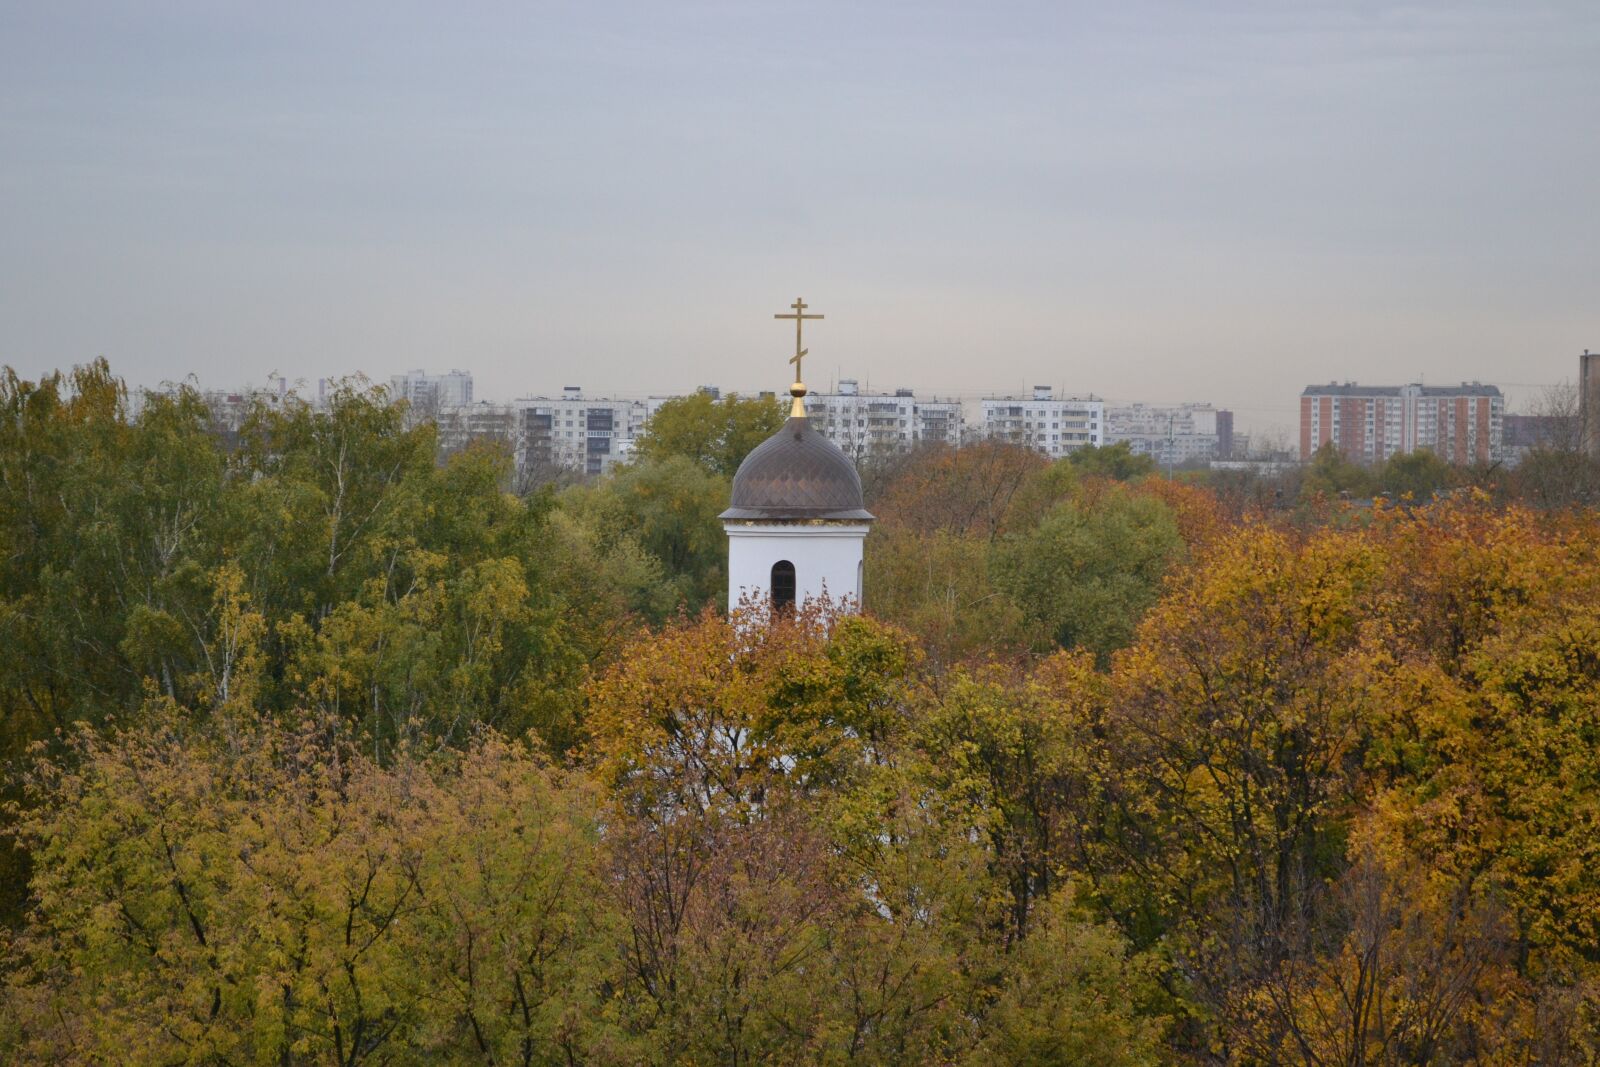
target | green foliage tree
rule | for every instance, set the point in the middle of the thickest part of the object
(1086, 574)
(1117, 462)
(414, 597)
(668, 508)
(289, 708)
(288, 899)
(1073, 994)
(1415, 475)
(940, 586)
(1331, 474)
(714, 433)
(1021, 749)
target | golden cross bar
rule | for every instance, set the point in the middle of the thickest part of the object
(799, 318)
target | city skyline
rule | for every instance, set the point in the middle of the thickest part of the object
(1532, 396)
(1154, 202)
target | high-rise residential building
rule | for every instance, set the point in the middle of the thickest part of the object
(940, 422)
(1589, 401)
(1055, 427)
(461, 424)
(590, 434)
(430, 393)
(866, 424)
(1169, 435)
(1369, 423)
(1225, 439)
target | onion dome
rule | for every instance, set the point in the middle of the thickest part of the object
(797, 474)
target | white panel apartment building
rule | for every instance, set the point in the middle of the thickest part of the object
(430, 393)
(581, 433)
(1166, 434)
(944, 421)
(588, 434)
(1054, 427)
(864, 424)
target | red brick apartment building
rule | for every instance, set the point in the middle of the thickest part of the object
(1369, 423)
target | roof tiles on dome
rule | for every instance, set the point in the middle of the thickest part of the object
(797, 473)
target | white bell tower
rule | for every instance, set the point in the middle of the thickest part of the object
(796, 525)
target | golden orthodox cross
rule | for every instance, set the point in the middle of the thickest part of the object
(799, 318)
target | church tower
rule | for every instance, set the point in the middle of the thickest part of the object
(796, 524)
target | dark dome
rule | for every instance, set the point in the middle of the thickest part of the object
(797, 474)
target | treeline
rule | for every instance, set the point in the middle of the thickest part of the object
(322, 752)
(327, 557)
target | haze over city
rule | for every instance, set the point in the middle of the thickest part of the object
(1158, 202)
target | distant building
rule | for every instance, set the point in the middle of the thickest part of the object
(430, 393)
(1168, 435)
(1524, 433)
(1054, 427)
(865, 424)
(1589, 401)
(1264, 466)
(589, 434)
(652, 404)
(228, 408)
(1369, 423)
(1225, 441)
(941, 421)
(460, 425)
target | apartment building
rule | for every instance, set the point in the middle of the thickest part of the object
(941, 421)
(1369, 423)
(590, 434)
(1171, 434)
(1226, 440)
(460, 425)
(430, 393)
(864, 424)
(1055, 427)
(1589, 402)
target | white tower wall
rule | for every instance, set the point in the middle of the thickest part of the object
(825, 556)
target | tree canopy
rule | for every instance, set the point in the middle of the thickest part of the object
(319, 749)
(716, 433)
(1117, 461)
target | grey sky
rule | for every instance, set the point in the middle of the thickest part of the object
(1148, 201)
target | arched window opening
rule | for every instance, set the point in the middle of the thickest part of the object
(783, 584)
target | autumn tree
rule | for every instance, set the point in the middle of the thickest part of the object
(967, 490)
(711, 716)
(1023, 752)
(1235, 725)
(110, 530)
(1073, 993)
(413, 598)
(1388, 965)
(930, 557)
(295, 901)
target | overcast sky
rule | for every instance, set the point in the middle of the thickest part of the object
(1157, 201)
